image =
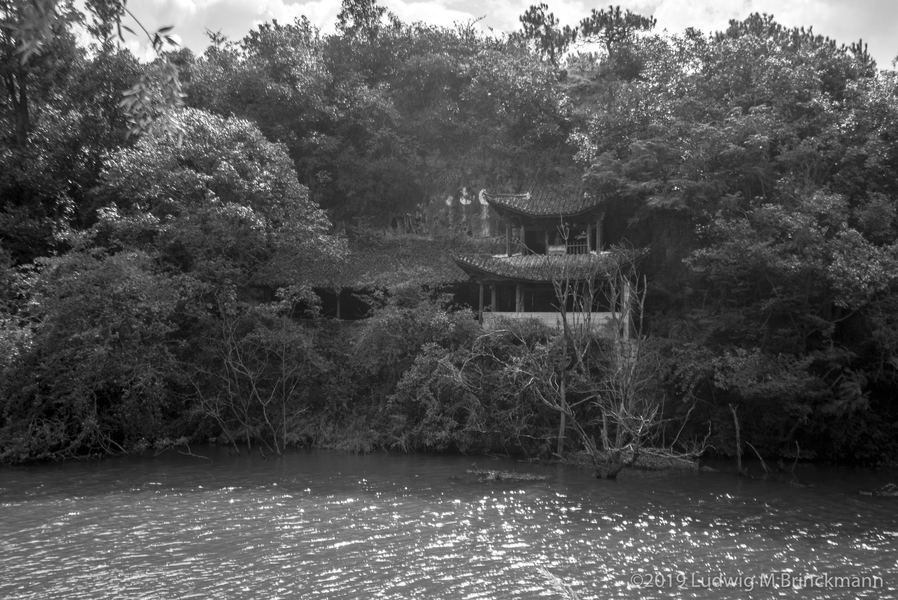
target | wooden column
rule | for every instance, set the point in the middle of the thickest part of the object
(338, 304)
(508, 237)
(518, 298)
(599, 240)
(480, 310)
(588, 237)
(493, 297)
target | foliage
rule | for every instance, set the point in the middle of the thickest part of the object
(73, 120)
(468, 399)
(99, 353)
(251, 379)
(94, 376)
(616, 33)
(600, 376)
(756, 163)
(613, 28)
(385, 116)
(221, 203)
(551, 40)
(743, 157)
(409, 319)
(35, 28)
(15, 331)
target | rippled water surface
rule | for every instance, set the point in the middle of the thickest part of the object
(317, 524)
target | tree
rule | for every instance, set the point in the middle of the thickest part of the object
(96, 373)
(542, 29)
(600, 378)
(115, 324)
(623, 55)
(458, 387)
(380, 125)
(222, 204)
(731, 154)
(253, 379)
(360, 18)
(275, 77)
(614, 29)
(49, 48)
(30, 28)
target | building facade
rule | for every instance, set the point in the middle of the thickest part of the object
(554, 262)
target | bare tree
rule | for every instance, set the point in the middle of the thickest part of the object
(611, 368)
(253, 382)
(600, 371)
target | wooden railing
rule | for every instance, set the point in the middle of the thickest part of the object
(560, 249)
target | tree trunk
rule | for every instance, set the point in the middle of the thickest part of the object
(16, 87)
(563, 387)
(616, 466)
(738, 440)
(562, 424)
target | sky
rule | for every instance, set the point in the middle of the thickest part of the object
(846, 21)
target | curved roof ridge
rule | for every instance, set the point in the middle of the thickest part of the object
(548, 200)
(534, 267)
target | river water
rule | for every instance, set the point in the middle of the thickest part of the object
(320, 524)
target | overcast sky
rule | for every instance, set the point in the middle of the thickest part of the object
(876, 21)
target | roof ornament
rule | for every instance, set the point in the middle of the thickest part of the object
(482, 197)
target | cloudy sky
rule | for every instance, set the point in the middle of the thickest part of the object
(876, 21)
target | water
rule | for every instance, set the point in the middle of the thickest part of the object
(318, 524)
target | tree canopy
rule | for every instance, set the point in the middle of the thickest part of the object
(756, 166)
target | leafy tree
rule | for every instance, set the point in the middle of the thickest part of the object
(732, 152)
(360, 18)
(613, 28)
(114, 323)
(379, 124)
(31, 27)
(483, 114)
(73, 119)
(20, 78)
(222, 204)
(61, 111)
(275, 77)
(542, 29)
(95, 375)
(610, 52)
(15, 331)
(397, 331)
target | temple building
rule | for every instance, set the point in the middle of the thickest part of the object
(552, 237)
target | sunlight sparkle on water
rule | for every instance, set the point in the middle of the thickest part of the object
(398, 527)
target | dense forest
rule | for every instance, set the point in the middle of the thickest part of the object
(144, 205)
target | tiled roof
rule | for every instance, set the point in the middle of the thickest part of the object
(545, 201)
(536, 267)
(383, 262)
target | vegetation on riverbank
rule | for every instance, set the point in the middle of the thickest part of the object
(756, 166)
